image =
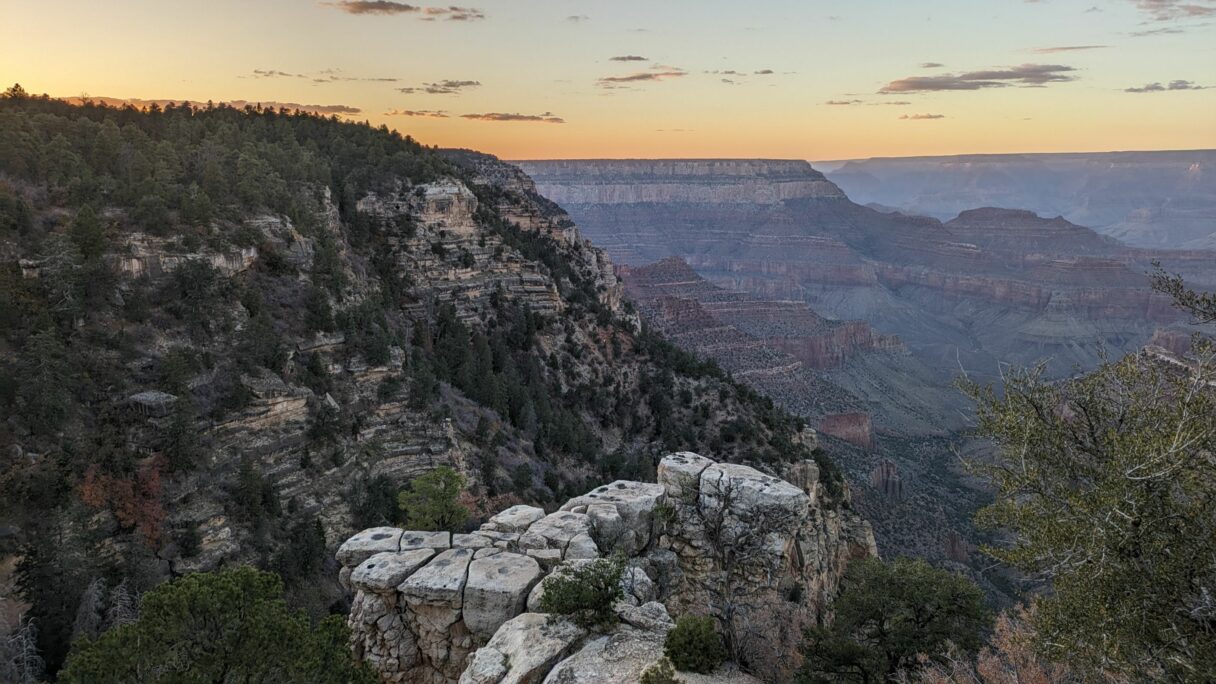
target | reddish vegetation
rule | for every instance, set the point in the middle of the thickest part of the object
(851, 427)
(135, 501)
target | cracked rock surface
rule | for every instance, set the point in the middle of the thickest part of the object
(438, 608)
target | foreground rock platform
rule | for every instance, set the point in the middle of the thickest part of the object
(433, 607)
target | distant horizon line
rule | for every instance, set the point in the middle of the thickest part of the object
(841, 160)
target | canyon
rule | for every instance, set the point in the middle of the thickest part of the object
(860, 320)
(986, 287)
(1163, 199)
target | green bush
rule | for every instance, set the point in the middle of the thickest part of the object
(585, 593)
(224, 626)
(432, 501)
(661, 672)
(694, 646)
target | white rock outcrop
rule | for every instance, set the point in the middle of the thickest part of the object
(440, 608)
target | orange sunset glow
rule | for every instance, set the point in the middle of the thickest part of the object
(817, 80)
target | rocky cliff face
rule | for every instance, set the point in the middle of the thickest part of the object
(989, 285)
(340, 352)
(713, 538)
(992, 285)
(699, 181)
(814, 366)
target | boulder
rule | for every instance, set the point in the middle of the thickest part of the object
(515, 519)
(502, 540)
(582, 546)
(487, 666)
(440, 582)
(434, 596)
(616, 658)
(750, 500)
(384, 571)
(470, 541)
(634, 503)
(368, 543)
(531, 646)
(651, 616)
(548, 558)
(554, 531)
(637, 584)
(680, 473)
(607, 526)
(497, 590)
(426, 540)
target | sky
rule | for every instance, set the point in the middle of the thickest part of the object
(533, 79)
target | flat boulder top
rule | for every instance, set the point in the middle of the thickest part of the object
(425, 540)
(748, 488)
(470, 541)
(497, 590)
(368, 543)
(384, 571)
(441, 581)
(681, 471)
(625, 494)
(532, 645)
(502, 571)
(514, 519)
(554, 531)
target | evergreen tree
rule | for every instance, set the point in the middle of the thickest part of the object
(431, 501)
(1107, 483)
(229, 625)
(889, 614)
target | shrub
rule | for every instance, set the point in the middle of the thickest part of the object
(694, 646)
(228, 625)
(585, 593)
(889, 616)
(431, 502)
(661, 672)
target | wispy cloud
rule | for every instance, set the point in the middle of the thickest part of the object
(922, 117)
(1025, 75)
(628, 58)
(324, 76)
(1067, 48)
(1169, 10)
(658, 73)
(275, 73)
(1160, 88)
(842, 103)
(445, 87)
(547, 117)
(390, 7)
(1167, 31)
(577, 18)
(763, 72)
(423, 113)
(931, 65)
